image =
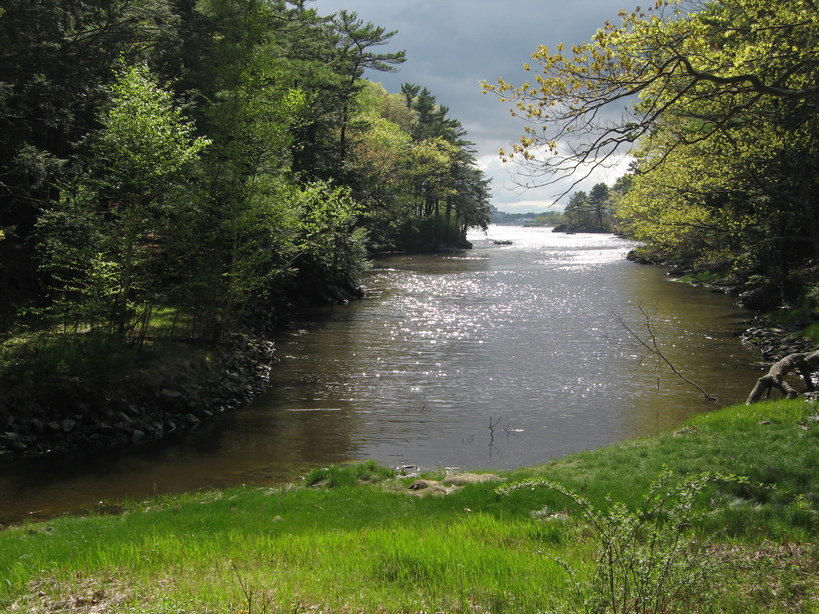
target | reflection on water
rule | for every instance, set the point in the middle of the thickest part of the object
(524, 336)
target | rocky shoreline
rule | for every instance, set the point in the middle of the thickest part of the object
(775, 342)
(147, 405)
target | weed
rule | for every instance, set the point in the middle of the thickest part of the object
(648, 560)
(256, 601)
(811, 332)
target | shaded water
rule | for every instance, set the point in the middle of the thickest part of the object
(524, 337)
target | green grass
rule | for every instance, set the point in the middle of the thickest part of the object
(793, 316)
(355, 541)
(811, 331)
(701, 278)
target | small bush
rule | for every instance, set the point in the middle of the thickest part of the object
(648, 559)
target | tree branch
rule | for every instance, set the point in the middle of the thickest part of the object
(652, 346)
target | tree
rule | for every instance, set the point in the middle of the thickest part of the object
(56, 62)
(248, 109)
(599, 204)
(577, 210)
(354, 55)
(412, 168)
(119, 212)
(712, 63)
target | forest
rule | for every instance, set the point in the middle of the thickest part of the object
(182, 169)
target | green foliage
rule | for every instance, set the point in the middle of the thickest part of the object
(217, 160)
(145, 141)
(811, 332)
(103, 243)
(415, 174)
(790, 317)
(648, 559)
(329, 237)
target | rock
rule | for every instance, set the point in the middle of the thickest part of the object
(145, 405)
(430, 487)
(68, 425)
(462, 479)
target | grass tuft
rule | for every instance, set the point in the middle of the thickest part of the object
(336, 476)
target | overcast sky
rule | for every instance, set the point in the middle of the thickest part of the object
(453, 45)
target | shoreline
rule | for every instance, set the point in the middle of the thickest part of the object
(362, 538)
(149, 405)
(146, 406)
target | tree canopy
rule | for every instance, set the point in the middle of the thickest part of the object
(213, 161)
(712, 62)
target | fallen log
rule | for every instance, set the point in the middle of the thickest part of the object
(803, 362)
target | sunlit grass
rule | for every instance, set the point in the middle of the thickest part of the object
(357, 542)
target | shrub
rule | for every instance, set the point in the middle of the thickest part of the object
(648, 559)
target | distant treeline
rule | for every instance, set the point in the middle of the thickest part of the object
(533, 218)
(592, 211)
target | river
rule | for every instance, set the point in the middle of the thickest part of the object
(497, 357)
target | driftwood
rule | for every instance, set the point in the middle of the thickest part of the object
(804, 362)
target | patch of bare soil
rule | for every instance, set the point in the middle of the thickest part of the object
(85, 596)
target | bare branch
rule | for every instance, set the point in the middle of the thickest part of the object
(653, 347)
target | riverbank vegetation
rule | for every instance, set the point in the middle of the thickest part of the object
(717, 104)
(175, 172)
(208, 164)
(357, 538)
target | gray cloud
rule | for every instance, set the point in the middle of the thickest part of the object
(453, 45)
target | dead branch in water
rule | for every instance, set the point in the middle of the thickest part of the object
(653, 347)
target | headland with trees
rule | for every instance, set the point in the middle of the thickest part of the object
(183, 172)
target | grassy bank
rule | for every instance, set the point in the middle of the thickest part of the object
(359, 540)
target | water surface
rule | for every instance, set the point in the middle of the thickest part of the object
(497, 357)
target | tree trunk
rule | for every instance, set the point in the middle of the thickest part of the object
(804, 362)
